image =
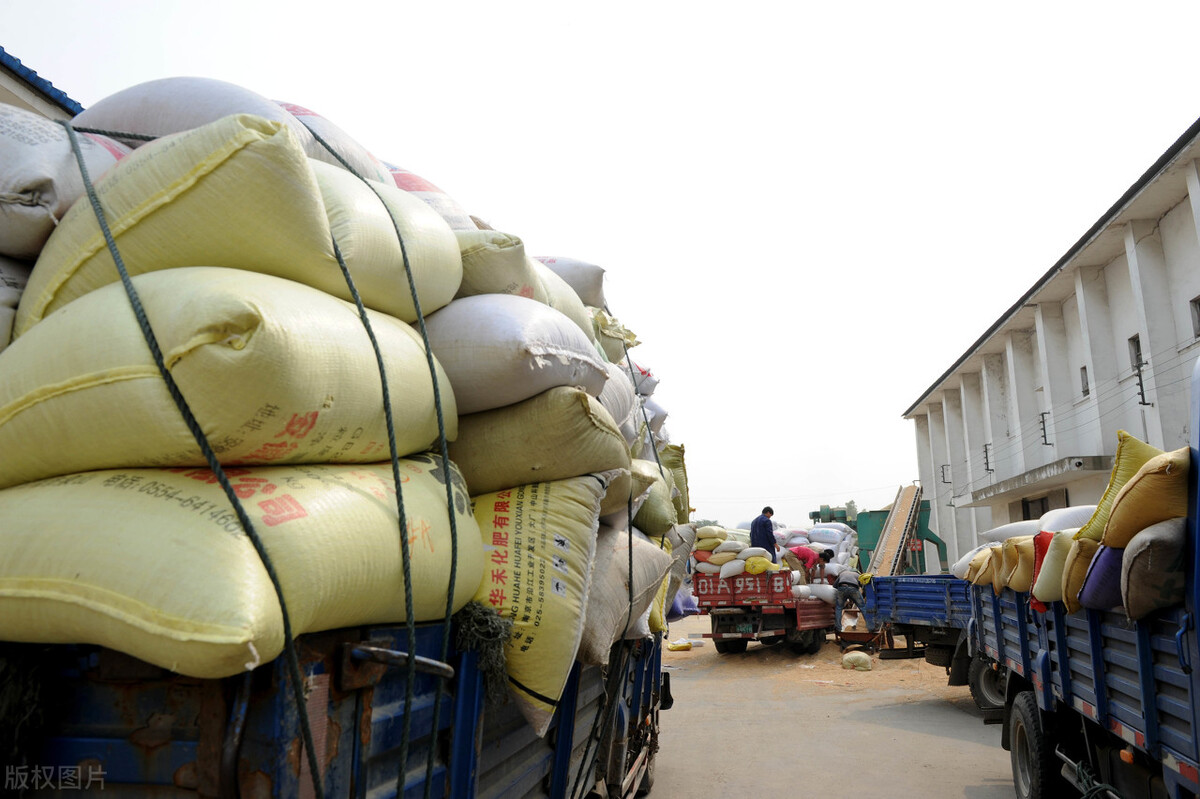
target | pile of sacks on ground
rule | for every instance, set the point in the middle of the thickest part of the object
(1126, 552)
(239, 228)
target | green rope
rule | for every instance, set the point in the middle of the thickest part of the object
(484, 631)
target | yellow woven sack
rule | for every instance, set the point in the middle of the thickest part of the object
(1018, 561)
(759, 564)
(978, 563)
(658, 608)
(707, 543)
(495, 263)
(711, 531)
(1075, 570)
(276, 372)
(560, 433)
(1131, 454)
(539, 542)
(1157, 492)
(153, 563)
(657, 514)
(239, 192)
(672, 458)
(613, 337)
(1049, 583)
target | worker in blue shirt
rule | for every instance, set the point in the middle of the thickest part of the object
(762, 533)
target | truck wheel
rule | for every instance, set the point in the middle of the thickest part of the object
(771, 640)
(818, 641)
(730, 646)
(939, 655)
(1034, 766)
(647, 782)
(985, 684)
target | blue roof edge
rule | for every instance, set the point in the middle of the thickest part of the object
(40, 84)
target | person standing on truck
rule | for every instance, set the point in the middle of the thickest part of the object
(762, 533)
(845, 586)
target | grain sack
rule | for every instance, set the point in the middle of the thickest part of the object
(707, 543)
(1131, 455)
(857, 660)
(759, 564)
(841, 527)
(613, 337)
(681, 538)
(708, 568)
(721, 558)
(1153, 570)
(732, 569)
(619, 399)
(610, 610)
(711, 531)
(1017, 553)
(1041, 545)
(586, 280)
(13, 277)
(1049, 583)
(753, 552)
(1101, 589)
(562, 432)
(980, 570)
(1005, 531)
(644, 382)
(657, 513)
(1065, 518)
(1157, 491)
(802, 591)
(240, 193)
(702, 554)
(40, 177)
(344, 148)
(1075, 569)
(499, 349)
(730, 545)
(963, 564)
(172, 105)
(153, 563)
(563, 299)
(495, 263)
(445, 205)
(656, 621)
(539, 542)
(999, 569)
(823, 592)
(826, 535)
(274, 371)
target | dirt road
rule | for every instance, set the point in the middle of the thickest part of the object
(772, 723)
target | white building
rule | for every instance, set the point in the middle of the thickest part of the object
(1026, 419)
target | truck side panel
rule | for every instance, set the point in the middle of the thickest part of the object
(934, 600)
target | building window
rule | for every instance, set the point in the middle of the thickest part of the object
(1083, 382)
(1135, 352)
(1034, 508)
(1195, 306)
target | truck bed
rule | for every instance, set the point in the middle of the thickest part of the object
(931, 600)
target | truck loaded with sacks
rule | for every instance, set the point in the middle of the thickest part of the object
(1088, 618)
(311, 483)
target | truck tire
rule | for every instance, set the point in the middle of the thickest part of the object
(818, 641)
(647, 782)
(1034, 766)
(939, 655)
(986, 687)
(730, 646)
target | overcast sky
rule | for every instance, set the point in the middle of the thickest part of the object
(807, 210)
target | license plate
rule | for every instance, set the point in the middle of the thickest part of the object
(744, 628)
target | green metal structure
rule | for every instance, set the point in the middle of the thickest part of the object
(870, 525)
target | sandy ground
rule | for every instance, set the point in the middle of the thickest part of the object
(750, 723)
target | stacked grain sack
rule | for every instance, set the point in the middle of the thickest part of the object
(1127, 551)
(237, 231)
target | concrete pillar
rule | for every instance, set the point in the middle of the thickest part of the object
(1024, 422)
(1152, 298)
(1058, 390)
(995, 419)
(939, 493)
(1097, 424)
(974, 436)
(960, 488)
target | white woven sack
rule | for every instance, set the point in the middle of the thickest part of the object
(644, 382)
(13, 277)
(959, 569)
(40, 177)
(823, 592)
(730, 545)
(802, 591)
(445, 205)
(1006, 531)
(586, 280)
(657, 414)
(172, 105)
(704, 567)
(619, 399)
(842, 527)
(834, 569)
(562, 298)
(826, 535)
(753, 552)
(797, 540)
(499, 349)
(1060, 519)
(732, 569)
(842, 558)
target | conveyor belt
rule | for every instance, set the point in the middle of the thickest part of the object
(888, 557)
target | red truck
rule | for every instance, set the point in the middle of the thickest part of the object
(761, 607)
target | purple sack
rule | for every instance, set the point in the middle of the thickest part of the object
(1102, 586)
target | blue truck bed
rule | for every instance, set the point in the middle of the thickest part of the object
(132, 728)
